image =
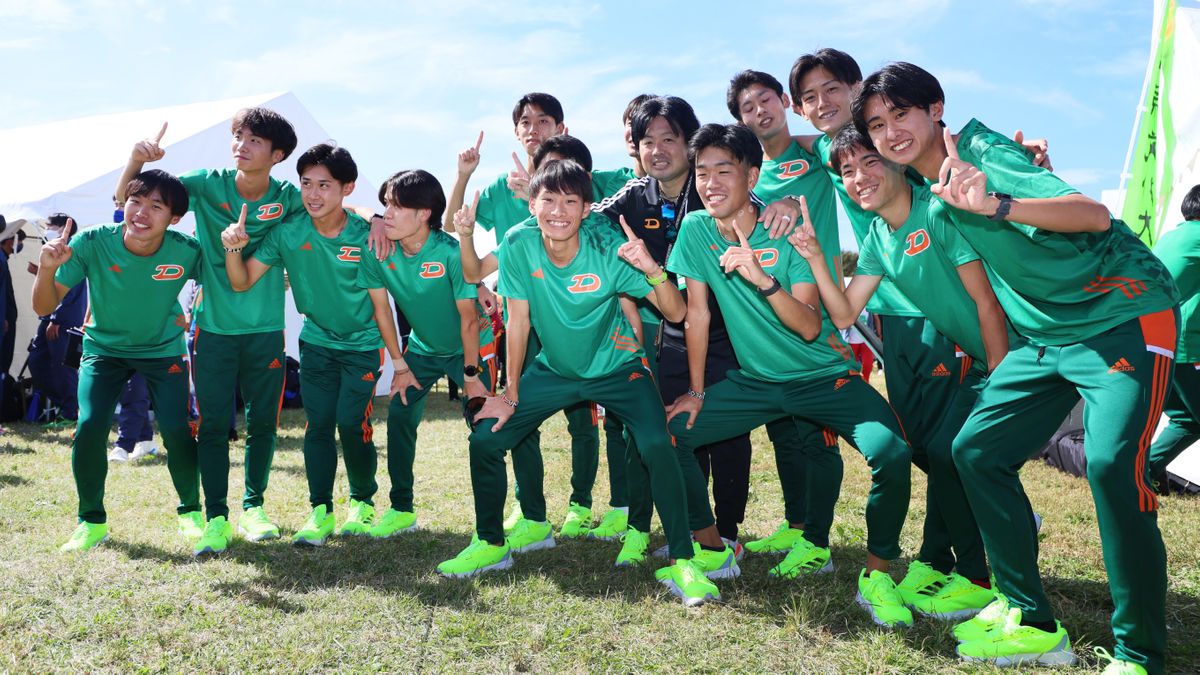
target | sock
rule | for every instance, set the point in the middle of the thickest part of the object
(713, 548)
(982, 583)
(1047, 626)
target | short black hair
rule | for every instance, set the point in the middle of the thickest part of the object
(737, 139)
(847, 142)
(743, 81)
(169, 188)
(566, 147)
(544, 102)
(901, 85)
(57, 219)
(633, 104)
(415, 189)
(676, 111)
(338, 160)
(268, 124)
(1191, 204)
(563, 176)
(841, 65)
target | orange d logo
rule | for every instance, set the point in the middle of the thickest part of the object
(349, 254)
(584, 283)
(766, 256)
(432, 270)
(270, 211)
(794, 168)
(651, 224)
(917, 241)
(167, 272)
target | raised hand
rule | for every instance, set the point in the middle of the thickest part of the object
(235, 235)
(518, 180)
(804, 237)
(1039, 148)
(54, 254)
(68, 229)
(147, 150)
(468, 160)
(634, 252)
(464, 218)
(960, 184)
(743, 260)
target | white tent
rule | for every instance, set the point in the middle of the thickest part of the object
(72, 166)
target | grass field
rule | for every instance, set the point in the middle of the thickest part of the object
(141, 603)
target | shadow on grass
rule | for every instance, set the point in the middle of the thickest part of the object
(7, 447)
(7, 480)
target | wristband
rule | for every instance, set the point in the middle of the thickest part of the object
(401, 372)
(772, 289)
(698, 395)
(234, 250)
(1006, 202)
(508, 401)
(656, 280)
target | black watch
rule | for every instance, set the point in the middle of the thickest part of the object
(1002, 210)
(772, 289)
(471, 371)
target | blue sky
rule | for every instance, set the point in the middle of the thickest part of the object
(409, 84)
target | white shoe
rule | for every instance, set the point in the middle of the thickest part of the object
(118, 454)
(143, 449)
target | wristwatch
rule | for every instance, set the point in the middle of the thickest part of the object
(1002, 210)
(471, 371)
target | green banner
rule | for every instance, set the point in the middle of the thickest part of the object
(1147, 191)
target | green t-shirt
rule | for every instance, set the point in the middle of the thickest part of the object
(500, 209)
(134, 299)
(1056, 288)
(324, 273)
(1179, 250)
(427, 287)
(213, 197)
(575, 309)
(797, 172)
(766, 348)
(887, 300)
(606, 183)
(922, 258)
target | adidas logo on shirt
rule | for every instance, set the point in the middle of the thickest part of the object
(274, 364)
(174, 369)
(1121, 366)
(940, 371)
(369, 377)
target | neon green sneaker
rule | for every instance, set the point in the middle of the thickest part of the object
(716, 564)
(478, 557)
(577, 522)
(191, 525)
(685, 579)
(1012, 644)
(920, 578)
(612, 525)
(804, 558)
(360, 519)
(957, 599)
(394, 522)
(530, 535)
(513, 518)
(877, 594)
(86, 537)
(217, 534)
(1116, 666)
(633, 548)
(988, 618)
(256, 526)
(316, 529)
(781, 541)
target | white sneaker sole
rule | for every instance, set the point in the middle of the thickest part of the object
(402, 530)
(1061, 655)
(256, 538)
(827, 568)
(958, 615)
(862, 602)
(505, 563)
(728, 572)
(688, 602)
(309, 542)
(605, 537)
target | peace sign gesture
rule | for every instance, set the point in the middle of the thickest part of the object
(804, 237)
(468, 160)
(234, 236)
(742, 259)
(634, 252)
(960, 184)
(464, 218)
(147, 150)
(518, 180)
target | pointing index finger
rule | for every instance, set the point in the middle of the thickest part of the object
(628, 231)
(479, 142)
(951, 147)
(741, 237)
(161, 132)
(520, 167)
(242, 218)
